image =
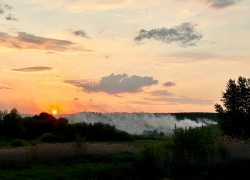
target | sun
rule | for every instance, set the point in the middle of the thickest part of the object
(54, 111)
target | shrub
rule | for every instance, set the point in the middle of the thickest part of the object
(51, 138)
(79, 141)
(19, 143)
(150, 161)
(193, 143)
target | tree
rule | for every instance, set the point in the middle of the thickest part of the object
(234, 118)
(12, 124)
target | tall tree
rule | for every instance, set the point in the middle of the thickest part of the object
(12, 124)
(234, 117)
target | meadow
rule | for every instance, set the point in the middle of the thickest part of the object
(58, 150)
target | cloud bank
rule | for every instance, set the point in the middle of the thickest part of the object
(114, 84)
(184, 35)
(34, 69)
(25, 40)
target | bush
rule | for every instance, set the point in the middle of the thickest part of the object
(51, 138)
(79, 141)
(193, 143)
(18, 143)
(150, 161)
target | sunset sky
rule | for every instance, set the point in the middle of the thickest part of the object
(121, 55)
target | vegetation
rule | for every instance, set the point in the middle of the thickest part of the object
(234, 118)
(48, 129)
(193, 144)
(43, 147)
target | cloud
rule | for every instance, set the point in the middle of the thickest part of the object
(220, 4)
(195, 101)
(169, 84)
(80, 33)
(160, 93)
(76, 99)
(3, 87)
(25, 40)
(10, 18)
(184, 35)
(8, 7)
(34, 69)
(113, 84)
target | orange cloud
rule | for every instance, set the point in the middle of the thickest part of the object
(24, 41)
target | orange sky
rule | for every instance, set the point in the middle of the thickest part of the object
(122, 55)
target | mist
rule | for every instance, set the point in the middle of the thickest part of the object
(136, 123)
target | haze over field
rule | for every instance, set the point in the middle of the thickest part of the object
(136, 123)
(121, 55)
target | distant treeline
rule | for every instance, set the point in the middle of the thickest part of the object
(47, 128)
(192, 115)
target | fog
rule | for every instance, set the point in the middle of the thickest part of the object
(136, 123)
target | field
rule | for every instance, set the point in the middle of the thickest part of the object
(159, 158)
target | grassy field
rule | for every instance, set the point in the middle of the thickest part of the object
(112, 160)
(84, 167)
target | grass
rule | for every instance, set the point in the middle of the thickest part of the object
(53, 151)
(137, 143)
(111, 160)
(87, 167)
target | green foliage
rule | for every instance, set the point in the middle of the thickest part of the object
(51, 138)
(193, 143)
(195, 115)
(153, 133)
(98, 132)
(234, 118)
(79, 141)
(86, 167)
(19, 143)
(150, 161)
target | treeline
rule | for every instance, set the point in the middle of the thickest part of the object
(46, 127)
(195, 116)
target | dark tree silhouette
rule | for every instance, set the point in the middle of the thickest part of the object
(12, 124)
(234, 118)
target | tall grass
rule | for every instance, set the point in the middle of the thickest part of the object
(53, 151)
(231, 148)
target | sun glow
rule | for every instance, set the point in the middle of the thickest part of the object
(54, 111)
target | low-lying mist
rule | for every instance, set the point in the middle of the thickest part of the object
(136, 123)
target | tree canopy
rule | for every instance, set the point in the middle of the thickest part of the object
(234, 115)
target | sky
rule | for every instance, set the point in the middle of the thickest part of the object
(121, 55)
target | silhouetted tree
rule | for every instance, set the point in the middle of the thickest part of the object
(34, 127)
(234, 118)
(12, 124)
(61, 125)
(2, 115)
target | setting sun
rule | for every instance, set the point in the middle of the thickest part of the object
(54, 111)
